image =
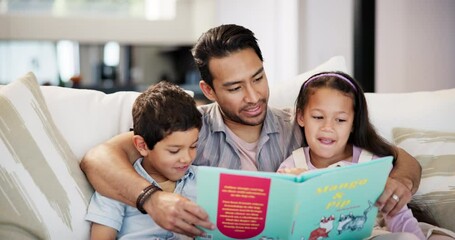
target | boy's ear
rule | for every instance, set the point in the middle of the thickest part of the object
(300, 118)
(208, 91)
(140, 145)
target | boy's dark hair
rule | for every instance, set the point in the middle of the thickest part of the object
(219, 42)
(364, 134)
(163, 109)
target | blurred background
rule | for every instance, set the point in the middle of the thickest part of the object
(115, 45)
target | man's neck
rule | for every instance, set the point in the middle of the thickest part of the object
(245, 132)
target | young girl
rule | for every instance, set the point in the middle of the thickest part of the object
(332, 112)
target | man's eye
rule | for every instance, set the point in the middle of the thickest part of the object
(233, 89)
(259, 79)
(173, 151)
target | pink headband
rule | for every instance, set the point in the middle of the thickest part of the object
(330, 75)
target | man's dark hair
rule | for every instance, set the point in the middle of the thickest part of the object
(219, 42)
(163, 109)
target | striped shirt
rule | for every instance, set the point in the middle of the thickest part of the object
(280, 135)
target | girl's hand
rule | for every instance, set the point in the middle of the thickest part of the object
(294, 171)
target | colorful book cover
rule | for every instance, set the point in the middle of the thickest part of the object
(331, 203)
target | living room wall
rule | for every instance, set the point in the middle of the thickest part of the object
(415, 48)
(414, 38)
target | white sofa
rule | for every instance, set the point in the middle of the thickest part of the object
(46, 130)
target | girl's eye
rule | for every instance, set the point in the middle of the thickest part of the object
(341, 120)
(317, 117)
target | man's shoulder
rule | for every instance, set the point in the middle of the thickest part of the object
(282, 114)
(206, 108)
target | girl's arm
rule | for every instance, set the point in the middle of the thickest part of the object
(102, 232)
(404, 221)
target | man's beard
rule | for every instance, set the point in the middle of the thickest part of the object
(253, 122)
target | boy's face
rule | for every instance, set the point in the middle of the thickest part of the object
(328, 119)
(239, 87)
(171, 157)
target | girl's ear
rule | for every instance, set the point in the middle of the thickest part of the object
(208, 91)
(140, 145)
(300, 118)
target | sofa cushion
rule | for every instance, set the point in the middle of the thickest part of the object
(44, 193)
(284, 94)
(93, 117)
(430, 110)
(435, 151)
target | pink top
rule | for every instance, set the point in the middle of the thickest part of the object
(403, 221)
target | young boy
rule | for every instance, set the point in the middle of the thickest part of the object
(166, 128)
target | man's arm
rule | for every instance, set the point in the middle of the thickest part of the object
(109, 169)
(407, 170)
(403, 182)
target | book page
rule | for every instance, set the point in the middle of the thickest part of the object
(246, 207)
(339, 204)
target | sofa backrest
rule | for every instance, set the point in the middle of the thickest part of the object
(88, 117)
(432, 110)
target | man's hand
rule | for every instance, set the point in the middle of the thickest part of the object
(177, 214)
(394, 197)
(294, 171)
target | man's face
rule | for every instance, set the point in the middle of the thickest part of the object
(240, 87)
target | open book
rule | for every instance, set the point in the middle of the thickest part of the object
(333, 203)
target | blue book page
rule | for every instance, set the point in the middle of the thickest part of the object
(247, 205)
(314, 173)
(339, 203)
(335, 202)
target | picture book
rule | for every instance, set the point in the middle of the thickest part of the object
(330, 203)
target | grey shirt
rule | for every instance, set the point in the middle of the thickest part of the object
(280, 135)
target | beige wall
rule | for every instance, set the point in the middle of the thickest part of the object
(415, 45)
(415, 39)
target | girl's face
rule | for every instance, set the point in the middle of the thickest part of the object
(328, 119)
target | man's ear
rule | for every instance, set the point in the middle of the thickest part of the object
(208, 91)
(140, 145)
(300, 118)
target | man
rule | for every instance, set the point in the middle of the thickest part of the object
(239, 131)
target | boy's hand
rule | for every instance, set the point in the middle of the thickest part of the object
(394, 197)
(177, 214)
(295, 171)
